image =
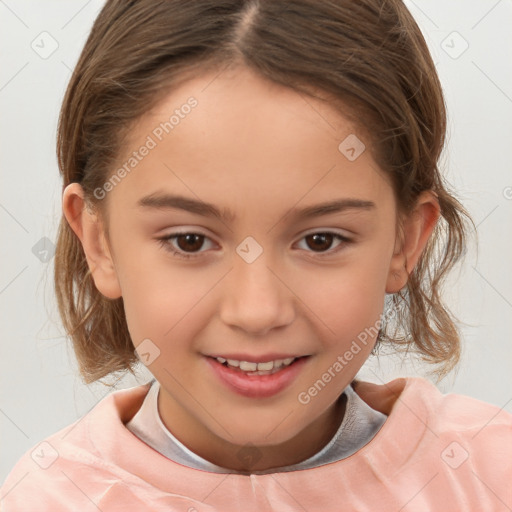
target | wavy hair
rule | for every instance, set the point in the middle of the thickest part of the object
(369, 57)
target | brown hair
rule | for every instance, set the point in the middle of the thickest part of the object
(369, 56)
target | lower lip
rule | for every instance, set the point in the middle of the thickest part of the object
(257, 386)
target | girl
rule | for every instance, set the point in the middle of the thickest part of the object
(252, 205)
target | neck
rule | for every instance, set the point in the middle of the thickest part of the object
(247, 459)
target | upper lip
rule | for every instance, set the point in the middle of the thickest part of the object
(256, 358)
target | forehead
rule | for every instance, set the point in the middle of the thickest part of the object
(235, 133)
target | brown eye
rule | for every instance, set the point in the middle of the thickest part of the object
(320, 241)
(189, 242)
(185, 245)
(324, 243)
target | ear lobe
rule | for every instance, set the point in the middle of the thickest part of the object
(412, 239)
(89, 228)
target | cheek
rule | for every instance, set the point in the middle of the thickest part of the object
(344, 299)
(153, 300)
(165, 303)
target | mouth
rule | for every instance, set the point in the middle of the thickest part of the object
(257, 380)
(262, 368)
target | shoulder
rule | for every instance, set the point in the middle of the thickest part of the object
(68, 467)
(452, 428)
(419, 412)
(460, 446)
(469, 429)
(443, 412)
(453, 412)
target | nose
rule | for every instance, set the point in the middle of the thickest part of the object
(256, 298)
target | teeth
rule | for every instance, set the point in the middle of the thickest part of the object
(257, 368)
(248, 367)
(266, 366)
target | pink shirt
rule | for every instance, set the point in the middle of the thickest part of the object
(434, 452)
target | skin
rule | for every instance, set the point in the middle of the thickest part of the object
(259, 149)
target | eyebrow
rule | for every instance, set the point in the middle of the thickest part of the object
(159, 201)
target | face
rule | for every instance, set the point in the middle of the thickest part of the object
(263, 273)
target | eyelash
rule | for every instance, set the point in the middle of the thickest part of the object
(165, 243)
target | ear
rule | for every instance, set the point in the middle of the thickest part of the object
(89, 228)
(412, 239)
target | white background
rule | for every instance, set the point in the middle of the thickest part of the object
(40, 391)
